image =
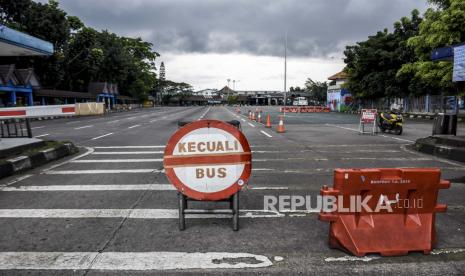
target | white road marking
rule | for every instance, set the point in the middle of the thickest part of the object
(114, 121)
(351, 258)
(84, 127)
(154, 120)
(251, 125)
(125, 213)
(37, 127)
(133, 261)
(93, 187)
(103, 171)
(203, 115)
(243, 120)
(382, 135)
(387, 158)
(98, 137)
(126, 152)
(129, 147)
(18, 179)
(42, 135)
(89, 151)
(371, 258)
(116, 160)
(395, 138)
(269, 188)
(133, 126)
(266, 134)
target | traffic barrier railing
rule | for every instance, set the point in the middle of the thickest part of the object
(394, 214)
(38, 111)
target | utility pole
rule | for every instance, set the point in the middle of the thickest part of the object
(285, 73)
(162, 80)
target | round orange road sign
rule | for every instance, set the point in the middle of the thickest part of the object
(208, 160)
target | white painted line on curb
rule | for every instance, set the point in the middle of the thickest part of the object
(266, 134)
(133, 126)
(84, 127)
(116, 160)
(251, 125)
(93, 187)
(130, 261)
(98, 137)
(103, 171)
(126, 152)
(42, 135)
(126, 213)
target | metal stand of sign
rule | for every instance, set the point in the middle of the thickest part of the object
(368, 117)
(233, 200)
(361, 128)
(233, 210)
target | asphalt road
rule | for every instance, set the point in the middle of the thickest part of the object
(112, 211)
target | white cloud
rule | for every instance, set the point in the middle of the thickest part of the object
(253, 72)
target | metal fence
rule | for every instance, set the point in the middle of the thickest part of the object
(15, 128)
(422, 104)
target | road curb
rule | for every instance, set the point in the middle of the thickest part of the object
(431, 145)
(34, 160)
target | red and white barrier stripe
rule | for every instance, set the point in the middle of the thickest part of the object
(37, 111)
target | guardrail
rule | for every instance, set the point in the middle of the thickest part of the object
(15, 128)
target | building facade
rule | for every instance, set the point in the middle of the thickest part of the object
(339, 98)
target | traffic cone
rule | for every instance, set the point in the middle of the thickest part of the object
(281, 128)
(253, 116)
(250, 115)
(268, 121)
(259, 117)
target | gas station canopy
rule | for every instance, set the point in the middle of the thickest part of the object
(14, 43)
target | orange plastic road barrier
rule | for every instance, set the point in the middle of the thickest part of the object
(268, 121)
(411, 196)
(281, 128)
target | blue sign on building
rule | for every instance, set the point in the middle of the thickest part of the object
(459, 64)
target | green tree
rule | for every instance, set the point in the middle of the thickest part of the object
(442, 26)
(372, 65)
(316, 89)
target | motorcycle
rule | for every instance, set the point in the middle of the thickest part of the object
(390, 121)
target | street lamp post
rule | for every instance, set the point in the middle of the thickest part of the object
(285, 73)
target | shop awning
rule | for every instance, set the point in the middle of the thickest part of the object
(14, 43)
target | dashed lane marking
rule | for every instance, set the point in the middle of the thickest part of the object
(266, 134)
(84, 127)
(101, 136)
(42, 135)
(251, 125)
(133, 126)
(130, 261)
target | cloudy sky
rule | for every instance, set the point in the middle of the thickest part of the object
(206, 42)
